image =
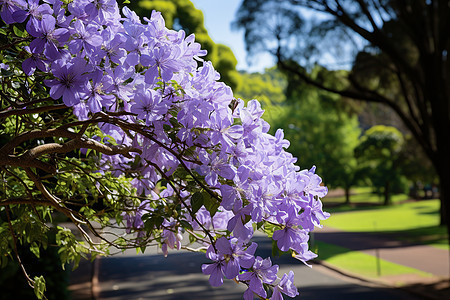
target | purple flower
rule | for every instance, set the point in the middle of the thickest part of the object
(118, 87)
(84, 37)
(231, 195)
(60, 12)
(47, 36)
(240, 228)
(215, 165)
(290, 236)
(30, 64)
(235, 256)
(313, 213)
(262, 272)
(97, 97)
(171, 237)
(148, 106)
(280, 142)
(313, 183)
(264, 197)
(112, 46)
(225, 133)
(303, 253)
(216, 269)
(105, 10)
(34, 10)
(134, 221)
(9, 7)
(70, 82)
(285, 286)
(162, 60)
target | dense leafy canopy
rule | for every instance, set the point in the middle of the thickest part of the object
(396, 53)
(320, 129)
(379, 155)
(120, 127)
(183, 15)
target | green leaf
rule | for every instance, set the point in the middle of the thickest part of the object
(35, 250)
(275, 250)
(210, 203)
(39, 287)
(192, 238)
(18, 32)
(197, 201)
(186, 224)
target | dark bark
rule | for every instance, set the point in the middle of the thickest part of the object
(347, 195)
(423, 102)
(387, 193)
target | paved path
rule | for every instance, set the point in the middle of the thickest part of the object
(422, 257)
(179, 277)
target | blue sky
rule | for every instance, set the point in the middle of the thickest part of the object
(219, 14)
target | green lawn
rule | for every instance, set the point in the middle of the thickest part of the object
(360, 263)
(415, 221)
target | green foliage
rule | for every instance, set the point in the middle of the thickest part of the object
(182, 14)
(39, 287)
(320, 131)
(379, 156)
(324, 136)
(48, 266)
(77, 190)
(268, 87)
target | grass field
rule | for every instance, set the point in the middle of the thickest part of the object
(415, 221)
(361, 263)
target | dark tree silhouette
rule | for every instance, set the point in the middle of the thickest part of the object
(398, 51)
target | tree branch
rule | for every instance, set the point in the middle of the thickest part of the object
(361, 93)
(29, 111)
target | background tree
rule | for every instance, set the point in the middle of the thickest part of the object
(319, 128)
(269, 88)
(379, 156)
(182, 14)
(397, 49)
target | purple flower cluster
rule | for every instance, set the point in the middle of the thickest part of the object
(100, 61)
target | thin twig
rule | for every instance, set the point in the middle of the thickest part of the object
(29, 280)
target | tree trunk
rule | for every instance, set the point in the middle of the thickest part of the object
(387, 193)
(444, 193)
(347, 195)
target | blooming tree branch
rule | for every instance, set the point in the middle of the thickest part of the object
(110, 119)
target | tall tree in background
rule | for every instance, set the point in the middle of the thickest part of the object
(380, 156)
(319, 128)
(398, 51)
(182, 14)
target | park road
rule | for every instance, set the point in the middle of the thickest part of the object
(152, 276)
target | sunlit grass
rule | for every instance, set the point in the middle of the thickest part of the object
(414, 221)
(361, 263)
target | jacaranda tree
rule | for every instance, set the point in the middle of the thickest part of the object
(113, 122)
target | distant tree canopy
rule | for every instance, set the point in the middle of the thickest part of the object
(317, 126)
(182, 14)
(268, 87)
(380, 157)
(397, 52)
